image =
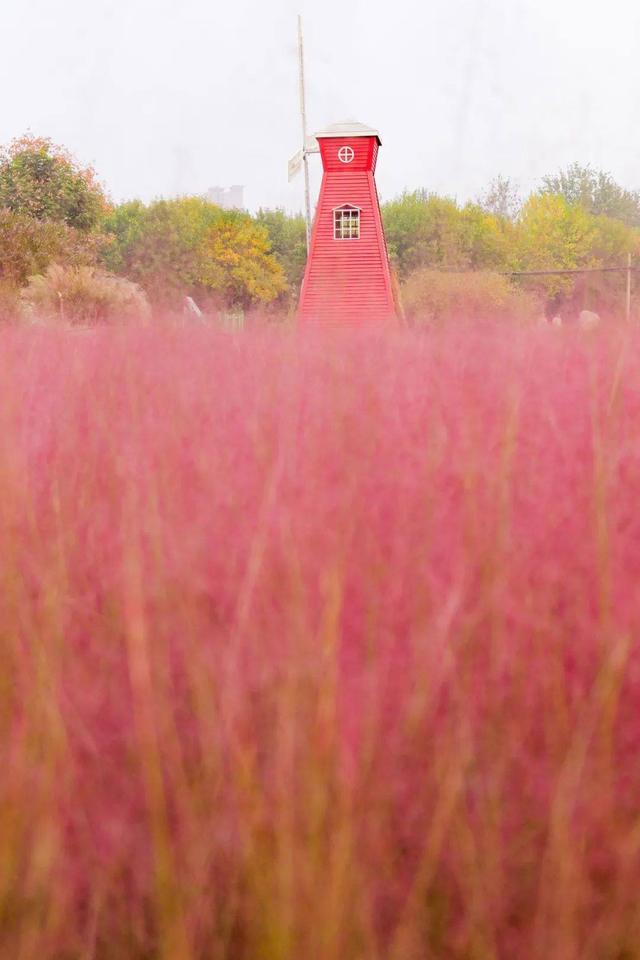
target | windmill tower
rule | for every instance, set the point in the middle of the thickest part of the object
(347, 277)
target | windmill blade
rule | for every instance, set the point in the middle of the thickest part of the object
(295, 164)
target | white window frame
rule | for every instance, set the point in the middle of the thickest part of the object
(353, 222)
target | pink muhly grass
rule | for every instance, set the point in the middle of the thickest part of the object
(319, 647)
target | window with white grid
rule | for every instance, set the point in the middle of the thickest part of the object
(346, 223)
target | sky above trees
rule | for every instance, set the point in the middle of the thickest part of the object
(164, 98)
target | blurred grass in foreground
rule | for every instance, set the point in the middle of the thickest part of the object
(319, 648)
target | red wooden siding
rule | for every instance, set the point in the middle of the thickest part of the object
(365, 151)
(347, 281)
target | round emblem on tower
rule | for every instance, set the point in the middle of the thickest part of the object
(346, 154)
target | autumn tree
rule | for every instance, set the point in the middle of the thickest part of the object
(554, 233)
(191, 246)
(28, 246)
(234, 259)
(43, 181)
(50, 207)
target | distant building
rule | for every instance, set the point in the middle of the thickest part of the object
(229, 198)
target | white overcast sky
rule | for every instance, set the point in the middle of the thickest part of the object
(165, 97)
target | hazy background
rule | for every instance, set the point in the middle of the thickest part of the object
(165, 97)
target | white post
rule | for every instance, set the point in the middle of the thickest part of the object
(628, 312)
(303, 112)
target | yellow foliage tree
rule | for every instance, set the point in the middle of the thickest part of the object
(552, 234)
(234, 259)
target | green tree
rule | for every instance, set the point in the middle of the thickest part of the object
(123, 226)
(595, 191)
(424, 230)
(43, 181)
(288, 238)
(487, 239)
(613, 240)
(151, 246)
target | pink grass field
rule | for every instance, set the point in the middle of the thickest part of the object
(320, 648)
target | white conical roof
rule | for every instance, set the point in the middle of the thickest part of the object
(348, 128)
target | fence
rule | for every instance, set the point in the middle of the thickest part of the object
(629, 270)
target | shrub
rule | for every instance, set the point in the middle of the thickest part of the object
(28, 246)
(431, 296)
(83, 296)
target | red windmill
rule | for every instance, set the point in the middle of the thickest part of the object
(347, 277)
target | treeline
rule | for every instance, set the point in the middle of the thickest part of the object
(66, 249)
(579, 219)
